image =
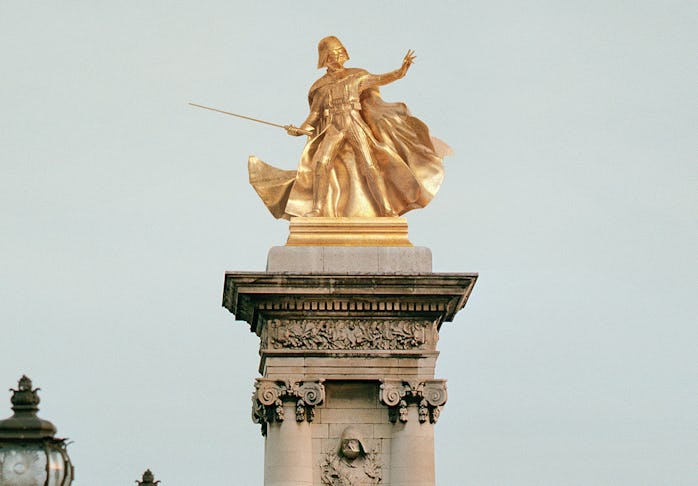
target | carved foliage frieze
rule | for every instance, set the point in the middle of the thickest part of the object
(430, 397)
(269, 397)
(349, 334)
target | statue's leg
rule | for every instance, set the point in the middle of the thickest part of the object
(324, 160)
(321, 186)
(376, 183)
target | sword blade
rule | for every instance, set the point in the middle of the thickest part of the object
(239, 116)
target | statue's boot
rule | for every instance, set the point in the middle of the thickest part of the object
(321, 186)
(380, 192)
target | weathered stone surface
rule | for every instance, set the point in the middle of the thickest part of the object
(257, 296)
(349, 260)
(352, 395)
(359, 328)
(412, 452)
(288, 456)
(368, 367)
(349, 334)
(430, 396)
(271, 397)
(351, 461)
(295, 259)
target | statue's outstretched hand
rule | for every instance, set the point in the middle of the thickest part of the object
(295, 131)
(407, 62)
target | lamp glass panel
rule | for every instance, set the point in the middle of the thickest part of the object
(22, 465)
(57, 468)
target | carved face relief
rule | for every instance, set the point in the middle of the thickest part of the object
(351, 448)
(350, 463)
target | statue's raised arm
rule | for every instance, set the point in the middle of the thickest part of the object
(375, 80)
(364, 157)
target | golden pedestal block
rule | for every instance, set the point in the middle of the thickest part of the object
(320, 231)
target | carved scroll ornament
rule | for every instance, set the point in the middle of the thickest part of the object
(430, 396)
(269, 396)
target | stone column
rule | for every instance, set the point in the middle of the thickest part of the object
(285, 409)
(412, 451)
(414, 407)
(288, 452)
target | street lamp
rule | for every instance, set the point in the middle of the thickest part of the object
(30, 455)
(148, 479)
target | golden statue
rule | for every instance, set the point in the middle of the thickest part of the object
(364, 157)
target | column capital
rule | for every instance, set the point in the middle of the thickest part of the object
(269, 396)
(429, 395)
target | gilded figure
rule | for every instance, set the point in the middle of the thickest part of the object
(364, 157)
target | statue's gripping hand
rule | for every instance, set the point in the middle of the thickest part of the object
(297, 132)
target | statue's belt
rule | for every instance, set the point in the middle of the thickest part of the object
(342, 107)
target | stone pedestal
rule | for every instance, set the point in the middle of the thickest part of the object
(347, 393)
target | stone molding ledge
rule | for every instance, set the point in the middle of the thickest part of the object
(258, 296)
(269, 396)
(430, 396)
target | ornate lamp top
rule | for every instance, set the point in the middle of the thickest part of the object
(25, 424)
(24, 398)
(148, 479)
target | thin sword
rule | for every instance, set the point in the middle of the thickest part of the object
(285, 127)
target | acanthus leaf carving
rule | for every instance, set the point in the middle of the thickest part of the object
(300, 411)
(349, 334)
(402, 411)
(336, 473)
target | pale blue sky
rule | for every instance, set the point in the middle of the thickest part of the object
(572, 191)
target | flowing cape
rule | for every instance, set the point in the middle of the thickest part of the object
(409, 159)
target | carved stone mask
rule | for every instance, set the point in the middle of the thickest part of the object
(351, 448)
(351, 445)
